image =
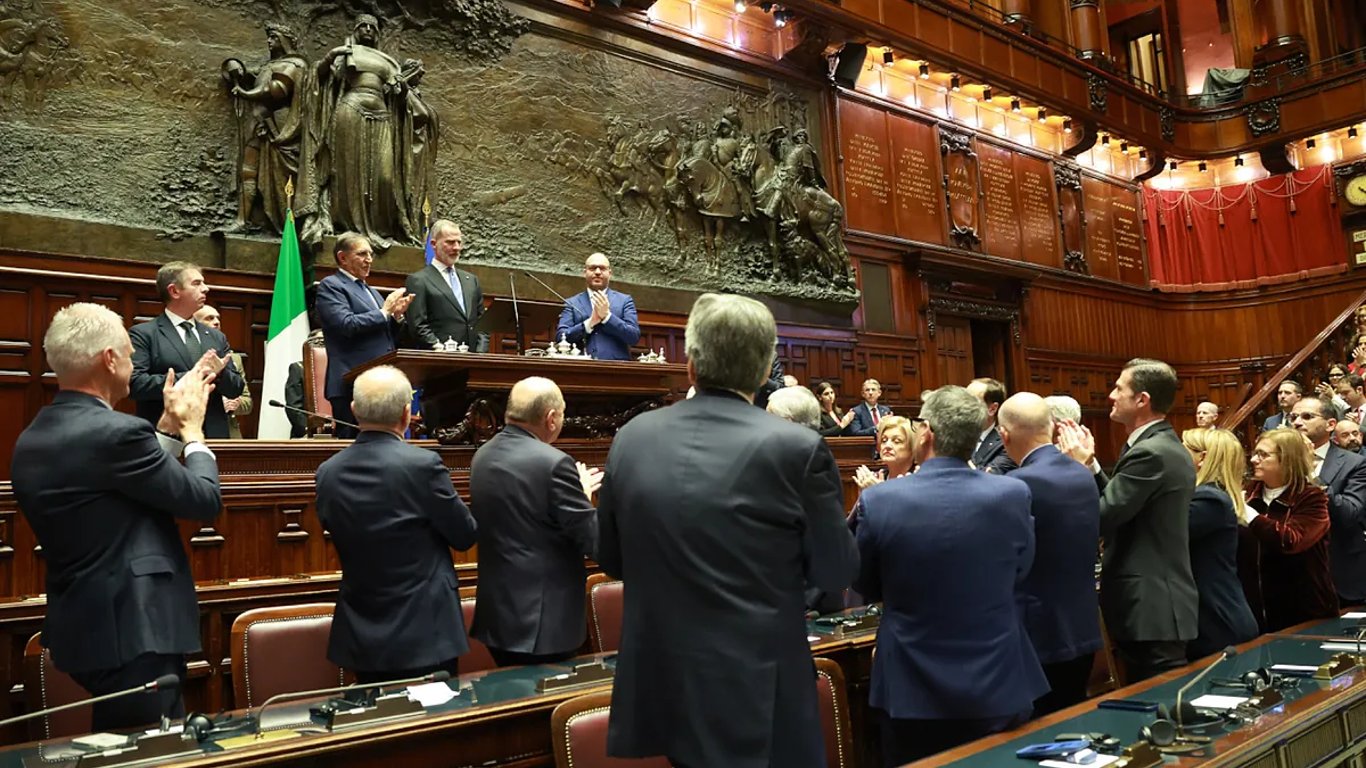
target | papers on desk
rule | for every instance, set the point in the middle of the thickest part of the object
(1101, 760)
(1354, 615)
(1295, 670)
(431, 694)
(1217, 702)
(1341, 645)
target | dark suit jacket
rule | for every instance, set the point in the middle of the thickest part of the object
(1061, 613)
(434, 316)
(294, 395)
(394, 518)
(947, 550)
(1344, 478)
(991, 455)
(1147, 591)
(1225, 618)
(355, 331)
(1283, 558)
(611, 340)
(102, 497)
(1274, 421)
(535, 529)
(830, 427)
(717, 515)
(863, 419)
(157, 347)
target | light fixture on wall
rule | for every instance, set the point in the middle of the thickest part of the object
(1173, 165)
(1142, 154)
(887, 58)
(1352, 132)
(1124, 147)
(1043, 114)
(1067, 125)
(986, 95)
(1015, 104)
(1105, 139)
(1202, 167)
(924, 70)
(1238, 161)
(781, 16)
(1310, 144)
(955, 83)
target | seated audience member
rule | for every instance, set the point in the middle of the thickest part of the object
(1328, 390)
(1064, 408)
(1206, 415)
(1342, 474)
(394, 517)
(1357, 364)
(868, 413)
(947, 550)
(1287, 394)
(1283, 549)
(797, 405)
(896, 448)
(834, 422)
(990, 455)
(1349, 391)
(1348, 434)
(238, 406)
(536, 526)
(1225, 618)
(1061, 614)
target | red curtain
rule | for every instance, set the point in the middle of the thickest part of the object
(1279, 229)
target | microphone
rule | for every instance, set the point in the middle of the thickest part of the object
(439, 676)
(166, 682)
(556, 294)
(1227, 653)
(306, 412)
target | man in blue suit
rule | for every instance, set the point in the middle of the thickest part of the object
(358, 324)
(1062, 615)
(868, 413)
(990, 454)
(948, 550)
(1287, 394)
(599, 319)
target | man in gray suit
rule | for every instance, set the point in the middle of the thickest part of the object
(717, 515)
(1342, 473)
(1147, 592)
(536, 525)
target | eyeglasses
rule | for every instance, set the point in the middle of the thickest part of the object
(1264, 454)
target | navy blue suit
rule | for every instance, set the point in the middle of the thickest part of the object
(991, 455)
(1273, 422)
(948, 550)
(611, 340)
(863, 419)
(355, 332)
(1225, 618)
(157, 346)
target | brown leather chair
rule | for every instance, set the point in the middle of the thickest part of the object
(315, 384)
(479, 658)
(46, 686)
(604, 613)
(834, 708)
(280, 650)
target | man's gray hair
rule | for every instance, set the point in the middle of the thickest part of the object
(1064, 407)
(796, 404)
(730, 341)
(955, 417)
(380, 395)
(173, 273)
(79, 334)
(440, 227)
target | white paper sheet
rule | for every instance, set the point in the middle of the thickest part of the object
(431, 694)
(1217, 702)
(1101, 760)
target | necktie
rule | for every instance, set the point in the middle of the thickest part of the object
(368, 293)
(876, 417)
(192, 344)
(455, 288)
(1125, 449)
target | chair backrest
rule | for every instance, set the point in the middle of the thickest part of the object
(578, 728)
(282, 649)
(604, 613)
(834, 709)
(46, 686)
(315, 383)
(479, 658)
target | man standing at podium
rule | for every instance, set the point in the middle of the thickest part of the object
(447, 302)
(600, 320)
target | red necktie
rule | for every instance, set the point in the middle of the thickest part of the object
(873, 410)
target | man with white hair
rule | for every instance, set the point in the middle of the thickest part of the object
(394, 517)
(1206, 415)
(102, 491)
(233, 406)
(796, 404)
(601, 319)
(717, 516)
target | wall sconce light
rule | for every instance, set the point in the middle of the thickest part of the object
(1142, 154)
(1105, 139)
(1015, 104)
(1173, 165)
(924, 70)
(1124, 147)
(1043, 114)
(887, 58)
(1352, 132)
(781, 16)
(986, 95)
(1067, 125)
(1310, 144)
(741, 6)
(955, 82)
(1202, 167)
(1238, 161)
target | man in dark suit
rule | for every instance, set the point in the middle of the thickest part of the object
(536, 525)
(1147, 591)
(102, 491)
(447, 302)
(868, 413)
(1342, 474)
(1287, 394)
(358, 325)
(947, 550)
(717, 515)
(1348, 434)
(294, 397)
(1060, 608)
(990, 455)
(394, 517)
(599, 319)
(174, 340)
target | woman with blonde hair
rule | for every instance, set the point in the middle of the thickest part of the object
(896, 438)
(1283, 549)
(1225, 617)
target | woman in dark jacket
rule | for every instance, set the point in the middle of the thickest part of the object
(833, 421)
(1225, 618)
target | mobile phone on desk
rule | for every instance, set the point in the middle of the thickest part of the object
(1054, 750)
(1130, 705)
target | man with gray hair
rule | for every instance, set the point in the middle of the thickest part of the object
(447, 302)
(534, 507)
(394, 517)
(717, 516)
(947, 550)
(1063, 408)
(102, 491)
(796, 404)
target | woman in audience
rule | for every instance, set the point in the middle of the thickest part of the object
(833, 420)
(1225, 618)
(896, 437)
(1283, 549)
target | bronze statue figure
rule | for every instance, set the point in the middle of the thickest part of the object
(269, 127)
(422, 127)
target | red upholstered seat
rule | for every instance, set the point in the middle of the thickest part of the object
(315, 383)
(479, 658)
(604, 613)
(281, 650)
(46, 686)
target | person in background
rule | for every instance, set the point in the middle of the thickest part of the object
(896, 447)
(1287, 394)
(868, 413)
(1206, 415)
(1064, 409)
(600, 319)
(1342, 475)
(294, 396)
(1328, 390)
(797, 405)
(1225, 617)
(1350, 391)
(233, 406)
(1348, 435)
(790, 381)
(447, 302)
(990, 455)
(834, 422)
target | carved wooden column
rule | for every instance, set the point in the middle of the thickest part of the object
(1087, 35)
(1018, 12)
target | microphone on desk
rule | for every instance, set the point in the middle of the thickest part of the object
(306, 412)
(556, 294)
(439, 676)
(1180, 714)
(166, 682)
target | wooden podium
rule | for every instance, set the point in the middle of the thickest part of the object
(471, 390)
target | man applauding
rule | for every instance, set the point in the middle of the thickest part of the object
(600, 319)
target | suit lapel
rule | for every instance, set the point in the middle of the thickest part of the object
(1332, 464)
(437, 279)
(467, 288)
(170, 340)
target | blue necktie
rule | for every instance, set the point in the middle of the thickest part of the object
(455, 288)
(368, 294)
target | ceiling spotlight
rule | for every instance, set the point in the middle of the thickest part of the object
(1104, 139)
(924, 70)
(1067, 125)
(1238, 161)
(887, 57)
(1202, 167)
(955, 83)
(1173, 165)
(1043, 114)
(986, 96)
(1310, 144)
(1015, 104)
(1124, 147)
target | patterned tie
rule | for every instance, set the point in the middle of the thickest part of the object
(455, 288)
(192, 344)
(368, 293)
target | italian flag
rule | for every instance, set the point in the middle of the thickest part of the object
(288, 332)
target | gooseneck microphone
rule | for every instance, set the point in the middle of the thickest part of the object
(439, 676)
(166, 682)
(306, 412)
(575, 310)
(1227, 653)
